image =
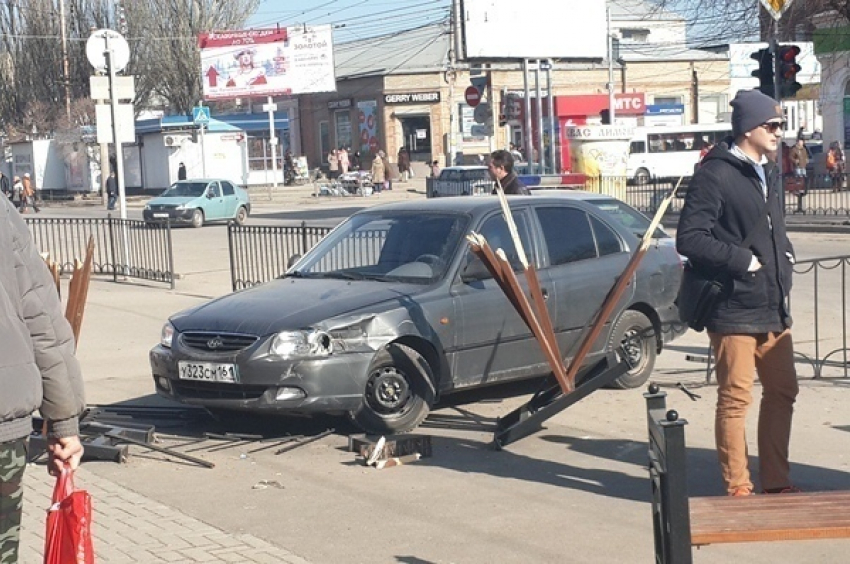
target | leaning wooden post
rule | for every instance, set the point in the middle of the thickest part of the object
(619, 287)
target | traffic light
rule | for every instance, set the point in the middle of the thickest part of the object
(788, 69)
(765, 71)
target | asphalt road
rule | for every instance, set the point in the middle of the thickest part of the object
(577, 491)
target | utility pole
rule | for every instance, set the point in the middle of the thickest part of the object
(611, 101)
(66, 75)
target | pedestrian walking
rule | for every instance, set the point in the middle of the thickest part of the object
(38, 371)
(181, 172)
(18, 197)
(5, 187)
(734, 198)
(435, 169)
(799, 156)
(112, 190)
(344, 163)
(835, 165)
(378, 172)
(501, 168)
(388, 171)
(403, 164)
(29, 193)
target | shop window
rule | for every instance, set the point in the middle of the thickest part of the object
(324, 139)
(260, 152)
(343, 129)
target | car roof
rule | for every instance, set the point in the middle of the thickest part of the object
(485, 203)
(465, 167)
(188, 180)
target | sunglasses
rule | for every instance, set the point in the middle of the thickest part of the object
(773, 126)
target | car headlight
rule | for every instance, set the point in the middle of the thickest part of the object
(180, 207)
(301, 344)
(167, 335)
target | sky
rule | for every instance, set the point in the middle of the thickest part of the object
(352, 19)
(709, 22)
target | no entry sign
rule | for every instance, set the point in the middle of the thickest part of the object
(472, 96)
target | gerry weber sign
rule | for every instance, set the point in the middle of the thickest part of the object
(413, 98)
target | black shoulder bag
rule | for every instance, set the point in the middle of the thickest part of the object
(698, 294)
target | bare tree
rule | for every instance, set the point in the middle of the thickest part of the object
(164, 45)
(164, 55)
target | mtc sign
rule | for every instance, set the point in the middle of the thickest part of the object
(591, 105)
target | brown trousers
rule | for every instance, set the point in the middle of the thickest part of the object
(738, 358)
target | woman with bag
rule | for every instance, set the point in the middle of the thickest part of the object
(38, 371)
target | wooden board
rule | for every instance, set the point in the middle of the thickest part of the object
(770, 517)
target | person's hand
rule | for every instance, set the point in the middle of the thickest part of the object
(754, 265)
(67, 450)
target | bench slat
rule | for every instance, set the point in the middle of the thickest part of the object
(801, 516)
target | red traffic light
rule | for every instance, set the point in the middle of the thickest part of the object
(788, 53)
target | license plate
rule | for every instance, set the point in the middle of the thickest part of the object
(160, 215)
(207, 371)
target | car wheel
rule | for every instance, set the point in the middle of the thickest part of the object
(241, 215)
(197, 218)
(642, 176)
(634, 336)
(398, 393)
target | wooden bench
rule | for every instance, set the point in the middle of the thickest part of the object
(680, 522)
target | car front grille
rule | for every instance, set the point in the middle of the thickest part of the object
(191, 389)
(216, 342)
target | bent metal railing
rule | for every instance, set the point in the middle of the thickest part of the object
(259, 253)
(822, 342)
(123, 247)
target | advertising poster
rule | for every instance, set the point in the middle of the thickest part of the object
(368, 123)
(267, 62)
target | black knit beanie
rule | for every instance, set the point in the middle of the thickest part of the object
(750, 109)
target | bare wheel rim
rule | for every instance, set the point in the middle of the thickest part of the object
(388, 391)
(634, 348)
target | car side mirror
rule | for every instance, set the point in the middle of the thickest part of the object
(474, 270)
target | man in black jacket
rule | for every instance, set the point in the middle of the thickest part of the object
(733, 192)
(501, 169)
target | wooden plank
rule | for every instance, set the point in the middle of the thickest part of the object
(771, 517)
(78, 291)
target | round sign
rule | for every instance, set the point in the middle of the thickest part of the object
(103, 39)
(472, 96)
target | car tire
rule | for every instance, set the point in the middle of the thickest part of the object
(241, 215)
(634, 333)
(197, 218)
(398, 394)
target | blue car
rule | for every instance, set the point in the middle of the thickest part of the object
(199, 201)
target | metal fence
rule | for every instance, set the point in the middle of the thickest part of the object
(123, 247)
(259, 253)
(820, 303)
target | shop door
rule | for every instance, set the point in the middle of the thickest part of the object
(417, 136)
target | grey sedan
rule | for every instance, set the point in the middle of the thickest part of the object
(392, 310)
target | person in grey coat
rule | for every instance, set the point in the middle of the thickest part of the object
(38, 371)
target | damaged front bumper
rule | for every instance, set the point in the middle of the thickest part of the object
(332, 384)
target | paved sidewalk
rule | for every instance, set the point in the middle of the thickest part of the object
(129, 527)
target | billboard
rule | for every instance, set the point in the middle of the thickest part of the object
(267, 62)
(534, 29)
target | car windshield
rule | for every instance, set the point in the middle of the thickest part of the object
(626, 215)
(185, 189)
(388, 246)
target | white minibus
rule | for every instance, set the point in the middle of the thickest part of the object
(671, 151)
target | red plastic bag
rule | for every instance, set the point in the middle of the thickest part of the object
(68, 539)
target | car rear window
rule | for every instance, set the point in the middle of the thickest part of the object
(626, 215)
